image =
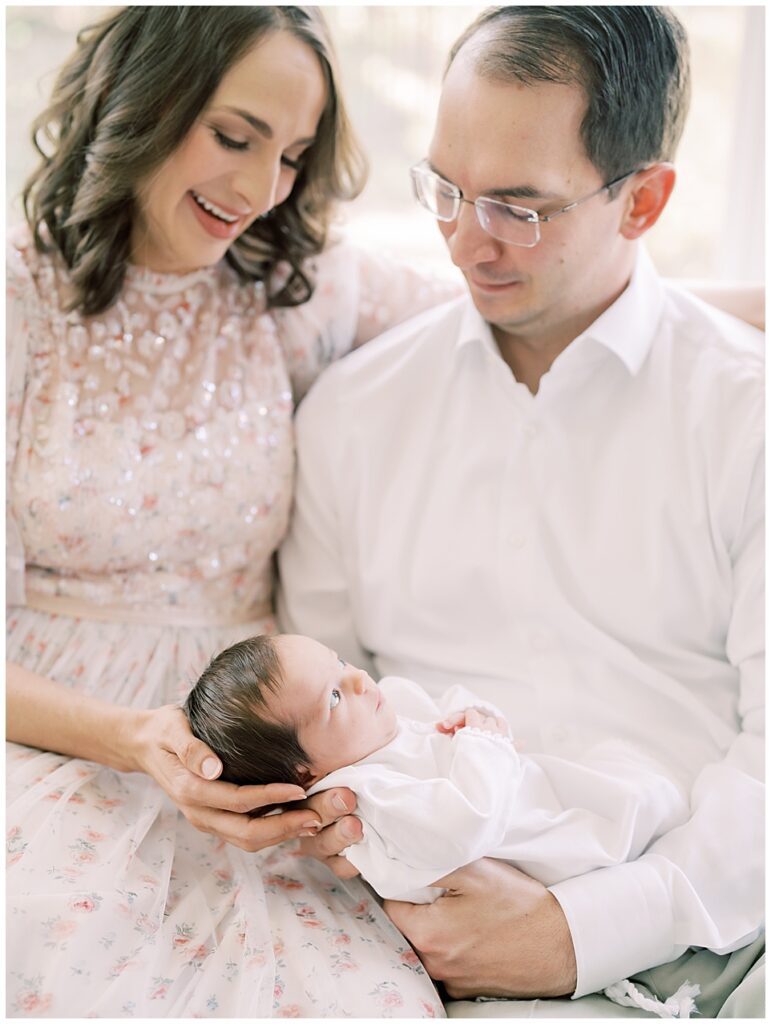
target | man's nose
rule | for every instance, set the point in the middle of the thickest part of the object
(468, 242)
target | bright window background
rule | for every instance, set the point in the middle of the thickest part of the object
(392, 60)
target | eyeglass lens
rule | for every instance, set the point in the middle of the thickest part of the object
(511, 224)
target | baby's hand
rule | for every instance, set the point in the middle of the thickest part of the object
(474, 718)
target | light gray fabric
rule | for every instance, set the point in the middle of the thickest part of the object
(732, 986)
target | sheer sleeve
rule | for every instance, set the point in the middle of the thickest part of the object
(357, 296)
(19, 313)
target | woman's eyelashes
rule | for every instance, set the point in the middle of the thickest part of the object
(226, 142)
(334, 698)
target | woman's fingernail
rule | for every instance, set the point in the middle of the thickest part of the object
(210, 767)
(338, 803)
(313, 825)
(307, 833)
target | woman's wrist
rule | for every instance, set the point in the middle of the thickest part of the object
(129, 729)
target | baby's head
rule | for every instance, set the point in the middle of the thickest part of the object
(287, 709)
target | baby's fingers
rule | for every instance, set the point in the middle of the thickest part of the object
(452, 722)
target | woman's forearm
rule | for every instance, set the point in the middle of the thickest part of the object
(746, 301)
(42, 713)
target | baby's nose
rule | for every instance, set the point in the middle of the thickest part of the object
(359, 683)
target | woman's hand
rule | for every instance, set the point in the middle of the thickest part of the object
(185, 768)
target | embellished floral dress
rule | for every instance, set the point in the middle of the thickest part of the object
(150, 465)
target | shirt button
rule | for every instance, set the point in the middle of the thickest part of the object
(560, 733)
(530, 431)
(517, 539)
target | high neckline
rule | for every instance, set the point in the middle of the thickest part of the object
(144, 279)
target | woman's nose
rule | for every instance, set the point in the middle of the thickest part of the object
(260, 187)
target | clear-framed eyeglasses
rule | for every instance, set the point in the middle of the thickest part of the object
(515, 225)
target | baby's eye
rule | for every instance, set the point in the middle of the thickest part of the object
(341, 662)
(334, 698)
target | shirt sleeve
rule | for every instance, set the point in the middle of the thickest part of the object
(314, 597)
(357, 296)
(418, 830)
(18, 326)
(700, 884)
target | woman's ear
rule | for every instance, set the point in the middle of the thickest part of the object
(650, 193)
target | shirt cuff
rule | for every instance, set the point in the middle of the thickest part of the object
(620, 920)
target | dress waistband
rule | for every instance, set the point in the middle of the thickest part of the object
(61, 604)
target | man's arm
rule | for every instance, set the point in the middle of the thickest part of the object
(501, 933)
(313, 594)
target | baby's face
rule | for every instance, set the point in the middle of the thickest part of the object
(339, 711)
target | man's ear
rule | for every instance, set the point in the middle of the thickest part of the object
(650, 192)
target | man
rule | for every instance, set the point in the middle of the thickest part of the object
(552, 493)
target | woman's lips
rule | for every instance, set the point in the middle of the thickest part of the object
(213, 225)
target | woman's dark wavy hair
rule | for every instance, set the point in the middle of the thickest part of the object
(631, 61)
(228, 709)
(124, 102)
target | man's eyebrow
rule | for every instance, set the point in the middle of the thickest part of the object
(515, 191)
(263, 127)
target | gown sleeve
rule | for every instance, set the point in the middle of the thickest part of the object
(19, 312)
(357, 296)
(415, 831)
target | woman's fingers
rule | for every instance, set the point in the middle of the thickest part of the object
(249, 834)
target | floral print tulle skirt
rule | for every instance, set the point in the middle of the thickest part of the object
(117, 907)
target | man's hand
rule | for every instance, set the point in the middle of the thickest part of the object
(496, 932)
(340, 829)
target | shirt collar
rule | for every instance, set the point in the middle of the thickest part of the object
(626, 328)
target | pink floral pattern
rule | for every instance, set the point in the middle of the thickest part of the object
(149, 462)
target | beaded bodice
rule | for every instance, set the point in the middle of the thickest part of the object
(151, 450)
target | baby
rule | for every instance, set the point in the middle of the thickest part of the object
(437, 785)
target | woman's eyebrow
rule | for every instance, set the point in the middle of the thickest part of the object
(263, 127)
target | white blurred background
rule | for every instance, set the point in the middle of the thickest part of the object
(392, 59)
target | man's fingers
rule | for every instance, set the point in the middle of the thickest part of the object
(332, 804)
(333, 839)
(404, 915)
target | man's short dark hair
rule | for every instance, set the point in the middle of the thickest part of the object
(631, 62)
(228, 709)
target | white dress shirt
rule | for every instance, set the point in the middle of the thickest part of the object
(589, 558)
(431, 802)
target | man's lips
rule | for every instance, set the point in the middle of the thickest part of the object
(493, 286)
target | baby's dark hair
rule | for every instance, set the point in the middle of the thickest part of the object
(228, 709)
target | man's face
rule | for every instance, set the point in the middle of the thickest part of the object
(525, 141)
(340, 713)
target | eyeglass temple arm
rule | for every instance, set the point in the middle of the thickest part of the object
(585, 199)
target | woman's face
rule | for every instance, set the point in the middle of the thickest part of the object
(239, 160)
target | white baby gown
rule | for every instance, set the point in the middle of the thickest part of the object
(431, 803)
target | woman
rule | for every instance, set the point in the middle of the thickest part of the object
(174, 298)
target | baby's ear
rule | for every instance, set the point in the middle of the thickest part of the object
(305, 776)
